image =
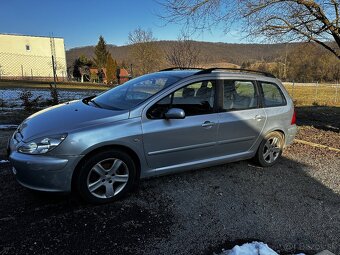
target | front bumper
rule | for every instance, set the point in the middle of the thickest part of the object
(292, 130)
(44, 173)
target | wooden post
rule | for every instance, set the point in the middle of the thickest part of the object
(336, 91)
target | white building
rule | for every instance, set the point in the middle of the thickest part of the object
(30, 57)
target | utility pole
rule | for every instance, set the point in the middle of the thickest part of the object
(54, 75)
(53, 61)
(285, 66)
(131, 71)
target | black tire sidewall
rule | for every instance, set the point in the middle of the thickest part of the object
(259, 154)
(81, 181)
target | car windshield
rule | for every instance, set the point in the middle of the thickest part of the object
(135, 91)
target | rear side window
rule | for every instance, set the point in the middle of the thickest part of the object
(272, 95)
(239, 95)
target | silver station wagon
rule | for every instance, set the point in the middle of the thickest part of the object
(159, 123)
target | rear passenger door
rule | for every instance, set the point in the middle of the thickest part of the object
(241, 119)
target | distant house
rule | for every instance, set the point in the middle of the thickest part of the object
(101, 77)
(122, 75)
(30, 57)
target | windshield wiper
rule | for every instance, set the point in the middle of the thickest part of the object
(95, 103)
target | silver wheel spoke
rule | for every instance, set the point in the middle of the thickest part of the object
(109, 191)
(95, 185)
(115, 166)
(99, 169)
(271, 157)
(121, 178)
(276, 150)
(268, 144)
(265, 155)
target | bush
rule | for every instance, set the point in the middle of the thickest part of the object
(27, 101)
(54, 95)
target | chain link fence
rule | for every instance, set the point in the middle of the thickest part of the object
(31, 67)
(315, 93)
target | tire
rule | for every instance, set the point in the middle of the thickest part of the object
(270, 149)
(106, 177)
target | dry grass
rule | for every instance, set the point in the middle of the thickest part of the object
(44, 85)
(314, 94)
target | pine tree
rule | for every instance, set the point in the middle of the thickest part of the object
(111, 69)
(101, 53)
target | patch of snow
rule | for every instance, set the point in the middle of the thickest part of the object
(11, 97)
(8, 126)
(254, 248)
(4, 161)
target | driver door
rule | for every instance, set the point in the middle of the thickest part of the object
(173, 142)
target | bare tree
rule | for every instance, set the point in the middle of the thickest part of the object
(183, 53)
(279, 20)
(144, 52)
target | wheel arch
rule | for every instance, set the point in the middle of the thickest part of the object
(89, 154)
(280, 130)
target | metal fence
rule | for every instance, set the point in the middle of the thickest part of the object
(315, 93)
(15, 98)
(31, 67)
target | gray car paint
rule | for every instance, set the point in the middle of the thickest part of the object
(162, 146)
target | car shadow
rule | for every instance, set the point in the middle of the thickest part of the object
(322, 117)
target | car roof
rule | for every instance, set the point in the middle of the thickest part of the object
(180, 73)
(229, 71)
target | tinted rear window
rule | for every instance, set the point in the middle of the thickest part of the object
(272, 95)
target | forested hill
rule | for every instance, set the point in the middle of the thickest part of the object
(209, 52)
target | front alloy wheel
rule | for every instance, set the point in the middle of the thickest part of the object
(106, 176)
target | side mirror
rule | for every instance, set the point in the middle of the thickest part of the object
(175, 113)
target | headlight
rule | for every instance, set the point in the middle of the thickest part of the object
(42, 145)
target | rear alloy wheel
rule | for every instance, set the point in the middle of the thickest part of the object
(106, 177)
(270, 149)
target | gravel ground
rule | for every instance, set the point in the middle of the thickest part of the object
(319, 136)
(294, 206)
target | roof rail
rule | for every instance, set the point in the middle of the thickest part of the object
(209, 70)
(180, 68)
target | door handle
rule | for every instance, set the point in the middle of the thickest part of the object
(208, 124)
(259, 117)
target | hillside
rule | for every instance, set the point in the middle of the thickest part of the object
(211, 52)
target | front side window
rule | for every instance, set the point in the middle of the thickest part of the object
(135, 91)
(272, 95)
(195, 99)
(239, 95)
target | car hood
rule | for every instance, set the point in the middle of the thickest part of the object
(67, 117)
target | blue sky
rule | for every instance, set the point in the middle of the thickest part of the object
(81, 22)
